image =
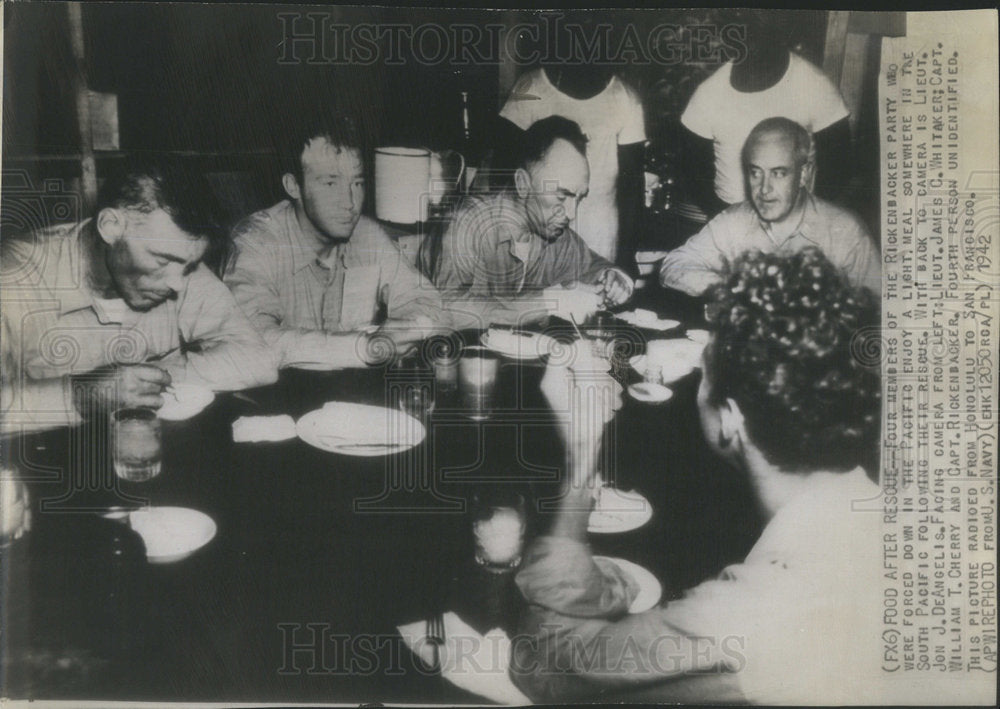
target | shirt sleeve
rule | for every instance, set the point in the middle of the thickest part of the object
(695, 265)
(863, 263)
(222, 349)
(578, 639)
(698, 116)
(407, 294)
(634, 128)
(826, 105)
(519, 107)
(29, 404)
(578, 262)
(476, 292)
(253, 280)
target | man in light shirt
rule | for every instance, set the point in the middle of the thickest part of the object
(107, 312)
(513, 258)
(315, 275)
(781, 216)
(786, 399)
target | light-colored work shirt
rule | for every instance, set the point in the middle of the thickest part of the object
(838, 233)
(799, 621)
(309, 299)
(612, 118)
(726, 116)
(54, 325)
(493, 267)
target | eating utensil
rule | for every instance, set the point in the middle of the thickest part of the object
(435, 637)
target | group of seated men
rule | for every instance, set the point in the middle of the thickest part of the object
(109, 311)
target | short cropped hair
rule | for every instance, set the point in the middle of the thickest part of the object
(338, 129)
(802, 139)
(796, 347)
(147, 183)
(541, 135)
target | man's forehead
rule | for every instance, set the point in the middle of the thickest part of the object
(562, 167)
(322, 156)
(772, 148)
(159, 233)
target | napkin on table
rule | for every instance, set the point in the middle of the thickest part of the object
(248, 429)
(470, 661)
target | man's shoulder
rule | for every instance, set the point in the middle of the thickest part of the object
(488, 212)
(29, 255)
(265, 227)
(806, 70)
(739, 213)
(837, 218)
(371, 235)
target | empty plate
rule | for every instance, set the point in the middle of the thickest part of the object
(359, 429)
(172, 533)
(517, 345)
(650, 393)
(617, 511)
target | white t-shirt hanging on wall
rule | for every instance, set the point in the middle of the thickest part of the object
(726, 116)
(611, 118)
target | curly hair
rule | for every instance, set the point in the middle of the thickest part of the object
(788, 330)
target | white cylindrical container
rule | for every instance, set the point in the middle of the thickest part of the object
(402, 177)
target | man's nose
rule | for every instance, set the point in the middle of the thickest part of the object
(765, 184)
(174, 278)
(345, 197)
(571, 210)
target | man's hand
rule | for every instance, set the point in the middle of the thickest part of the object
(577, 302)
(584, 396)
(397, 338)
(615, 287)
(121, 386)
(15, 508)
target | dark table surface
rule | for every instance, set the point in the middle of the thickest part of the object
(319, 556)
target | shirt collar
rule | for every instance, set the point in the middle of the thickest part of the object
(308, 249)
(807, 223)
(77, 267)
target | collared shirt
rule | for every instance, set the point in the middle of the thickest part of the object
(838, 233)
(54, 325)
(493, 266)
(795, 621)
(301, 292)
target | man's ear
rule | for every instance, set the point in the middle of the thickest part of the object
(522, 181)
(291, 186)
(732, 427)
(806, 180)
(110, 224)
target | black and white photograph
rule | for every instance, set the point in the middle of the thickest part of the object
(424, 356)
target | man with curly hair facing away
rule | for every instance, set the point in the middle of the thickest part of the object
(791, 394)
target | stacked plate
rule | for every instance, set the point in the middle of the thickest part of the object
(359, 429)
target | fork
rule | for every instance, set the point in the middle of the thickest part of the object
(435, 636)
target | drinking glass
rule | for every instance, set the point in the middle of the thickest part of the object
(477, 375)
(417, 400)
(498, 523)
(136, 444)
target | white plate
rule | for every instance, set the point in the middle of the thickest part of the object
(359, 429)
(650, 589)
(650, 393)
(520, 345)
(172, 533)
(182, 401)
(619, 511)
(671, 370)
(648, 320)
